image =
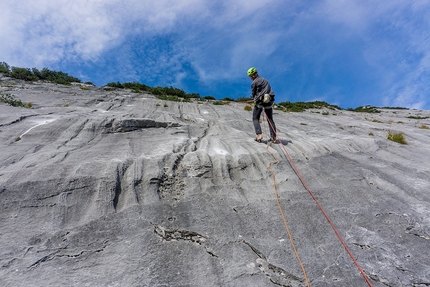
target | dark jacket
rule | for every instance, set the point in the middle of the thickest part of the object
(259, 87)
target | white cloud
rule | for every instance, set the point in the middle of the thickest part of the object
(42, 32)
(413, 90)
(221, 39)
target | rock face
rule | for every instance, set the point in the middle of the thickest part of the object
(104, 187)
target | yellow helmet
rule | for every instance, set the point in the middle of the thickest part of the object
(252, 71)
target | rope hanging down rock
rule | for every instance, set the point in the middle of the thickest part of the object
(290, 160)
(275, 188)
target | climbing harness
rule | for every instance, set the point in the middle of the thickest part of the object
(290, 160)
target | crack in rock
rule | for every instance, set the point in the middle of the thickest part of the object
(129, 125)
(82, 252)
(21, 118)
(55, 254)
(177, 234)
(46, 258)
(171, 185)
(276, 274)
(184, 235)
(362, 246)
(420, 284)
(417, 233)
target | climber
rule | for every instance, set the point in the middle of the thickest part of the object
(263, 97)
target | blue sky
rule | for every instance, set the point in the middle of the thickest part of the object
(344, 52)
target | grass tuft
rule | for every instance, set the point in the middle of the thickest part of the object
(219, 103)
(302, 106)
(365, 109)
(397, 137)
(417, 117)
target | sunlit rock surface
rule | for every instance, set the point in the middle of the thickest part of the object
(102, 187)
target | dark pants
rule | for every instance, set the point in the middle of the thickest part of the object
(256, 120)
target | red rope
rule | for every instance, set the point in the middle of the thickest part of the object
(317, 202)
(287, 228)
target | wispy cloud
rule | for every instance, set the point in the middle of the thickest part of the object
(43, 32)
(347, 51)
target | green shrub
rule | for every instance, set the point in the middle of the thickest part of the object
(23, 74)
(54, 76)
(164, 93)
(220, 103)
(192, 96)
(228, 99)
(167, 91)
(365, 109)
(10, 99)
(417, 117)
(4, 68)
(395, 108)
(136, 87)
(248, 108)
(115, 85)
(34, 74)
(169, 98)
(424, 127)
(397, 137)
(209, 98)
(158, 91)
(302, 106)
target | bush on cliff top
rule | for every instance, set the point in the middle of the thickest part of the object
(35, 75)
